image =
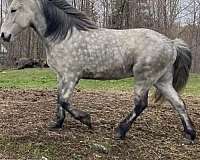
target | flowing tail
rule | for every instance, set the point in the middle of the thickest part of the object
(181, 67)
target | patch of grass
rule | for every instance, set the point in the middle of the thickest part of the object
(110, 85)
(30, 150)
(28, 79)
(193, 86)
(46, 79)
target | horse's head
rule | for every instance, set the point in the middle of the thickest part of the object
(52, 19)
(20, 15)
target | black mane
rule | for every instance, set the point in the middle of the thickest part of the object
(61, 17)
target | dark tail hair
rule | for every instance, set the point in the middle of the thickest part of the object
(181, 67)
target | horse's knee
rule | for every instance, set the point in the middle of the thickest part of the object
(141, 103)
(65, 105)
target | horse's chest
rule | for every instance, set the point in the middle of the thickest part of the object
(56, 62)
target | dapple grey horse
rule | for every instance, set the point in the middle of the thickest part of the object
(77, 49)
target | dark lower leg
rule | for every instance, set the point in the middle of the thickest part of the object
(82, 116)
(140, 104)
(187, 124)
(60, 116)
(59, 119)
(189, 131)
(172, 96)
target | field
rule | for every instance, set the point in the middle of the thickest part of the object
(27, 104)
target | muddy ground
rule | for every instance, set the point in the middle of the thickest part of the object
(157, 133)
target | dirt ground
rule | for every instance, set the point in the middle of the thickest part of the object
(157, 133)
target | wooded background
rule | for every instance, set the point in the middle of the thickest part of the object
(174, 18)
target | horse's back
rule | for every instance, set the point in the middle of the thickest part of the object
(139, 41)
(150, 52)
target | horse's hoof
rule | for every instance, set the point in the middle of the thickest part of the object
(190, 135)
(83, 117)
(55, 125)
(86, 120)
(120, 133)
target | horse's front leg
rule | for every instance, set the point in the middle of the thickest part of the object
(66, 87)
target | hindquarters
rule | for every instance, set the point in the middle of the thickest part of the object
(181, 67)
(174, 81)
(169, 72)
(147, 71)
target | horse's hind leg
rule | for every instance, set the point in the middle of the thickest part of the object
(66, 87)
(140, 103)
(172, 96)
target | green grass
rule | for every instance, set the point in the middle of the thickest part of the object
(28, 79)
(193, 86)
(46, 79)
(27, 149)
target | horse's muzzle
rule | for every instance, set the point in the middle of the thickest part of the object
(5, 37)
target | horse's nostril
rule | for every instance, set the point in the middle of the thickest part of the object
(2, 35)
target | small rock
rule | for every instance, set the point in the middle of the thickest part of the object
(100, 148)
(44, 158)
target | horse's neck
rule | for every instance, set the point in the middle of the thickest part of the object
(70, 38)
(40, 27)
(39, 24)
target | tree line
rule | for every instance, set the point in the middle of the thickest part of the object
(174, 18)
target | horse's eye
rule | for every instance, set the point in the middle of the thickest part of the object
(13, 10)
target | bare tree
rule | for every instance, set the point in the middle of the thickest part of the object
(174, 18)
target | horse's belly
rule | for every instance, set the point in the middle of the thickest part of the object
(108, 74)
